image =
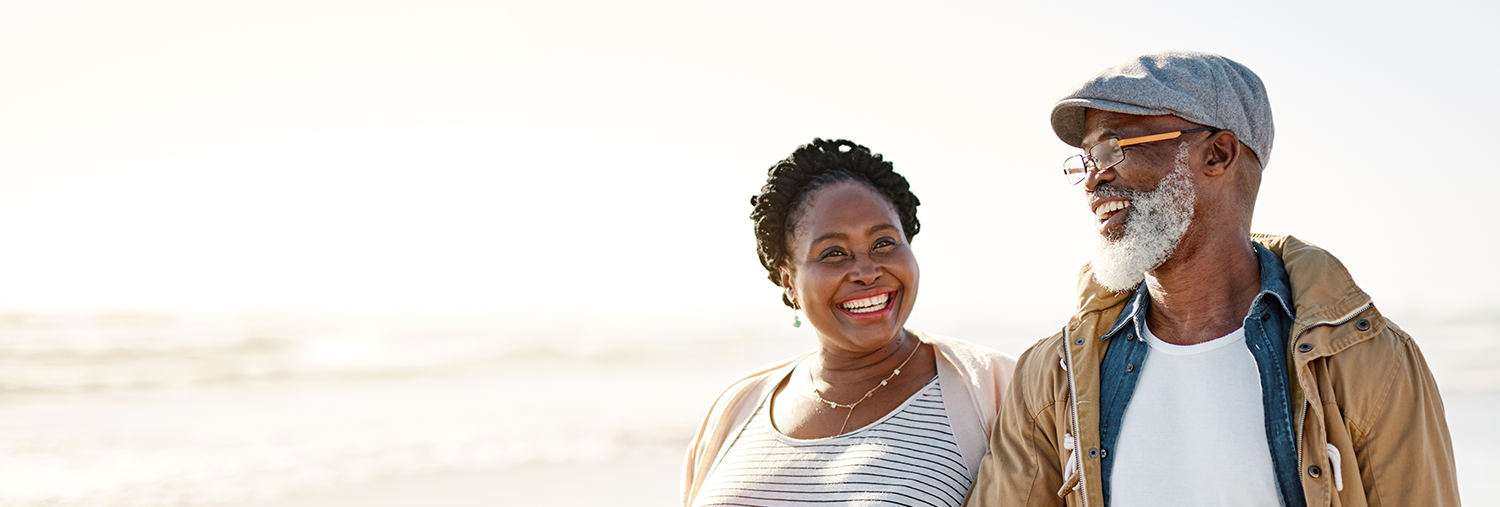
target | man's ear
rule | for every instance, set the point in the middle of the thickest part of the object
(1223, 153)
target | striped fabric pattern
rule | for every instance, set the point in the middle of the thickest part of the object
(909, 457)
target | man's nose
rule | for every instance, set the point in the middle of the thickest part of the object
(1095, 178)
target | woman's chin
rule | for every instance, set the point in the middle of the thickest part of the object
(868, 333)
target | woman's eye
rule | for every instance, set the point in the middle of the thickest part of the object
(884, 244)
(832, 254)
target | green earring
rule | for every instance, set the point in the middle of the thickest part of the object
(796, 319)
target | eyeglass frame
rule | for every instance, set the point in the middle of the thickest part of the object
(1114, 144)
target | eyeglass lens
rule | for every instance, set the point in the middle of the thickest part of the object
(1107, 153)
(1076, 168)
(1102, 155)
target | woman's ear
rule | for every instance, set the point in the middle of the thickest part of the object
(787, 283)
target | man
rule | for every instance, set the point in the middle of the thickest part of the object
(1207, 365)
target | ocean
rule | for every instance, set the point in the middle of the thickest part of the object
(198, 408)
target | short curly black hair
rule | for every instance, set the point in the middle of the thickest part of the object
(813, 166)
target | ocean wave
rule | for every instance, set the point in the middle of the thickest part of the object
(80, 354)
(51, 373)
(217, 444)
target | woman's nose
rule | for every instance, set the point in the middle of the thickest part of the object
(865, 270)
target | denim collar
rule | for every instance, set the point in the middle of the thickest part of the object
(1274, 286)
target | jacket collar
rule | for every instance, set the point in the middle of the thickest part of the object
(1275, 295)
(1321, 288)
(1316, 288)
(1275, 288)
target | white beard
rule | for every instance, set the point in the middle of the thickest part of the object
(1157, 221)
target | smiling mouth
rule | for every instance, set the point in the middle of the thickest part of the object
(867, 305)
(1108, 209)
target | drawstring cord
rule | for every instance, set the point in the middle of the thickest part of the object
(1336, 462)
(1070, 442)
(1070, 470)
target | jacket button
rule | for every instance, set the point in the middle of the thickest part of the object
(1129, 367)
(1078, 341)
(1103, 453)
(1093, 452)
(1314, 471)
(1362, 325)
(1304, 347)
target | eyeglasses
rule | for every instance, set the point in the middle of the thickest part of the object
(1109, 153)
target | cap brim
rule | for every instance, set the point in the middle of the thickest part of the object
(1067, 116)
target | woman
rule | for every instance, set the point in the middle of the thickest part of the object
(878, 411)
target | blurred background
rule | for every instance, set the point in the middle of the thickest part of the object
(282, 253)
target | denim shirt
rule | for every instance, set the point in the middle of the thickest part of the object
(1266, 335)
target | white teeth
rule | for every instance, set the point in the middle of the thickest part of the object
(868, 304)
(1105, 209)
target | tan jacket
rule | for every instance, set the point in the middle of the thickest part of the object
(1371, 429)
(974, 380)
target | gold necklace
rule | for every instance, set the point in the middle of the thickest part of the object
(871, 392)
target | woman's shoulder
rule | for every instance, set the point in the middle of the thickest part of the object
(965, 352)
(730, 410)
(757, 378)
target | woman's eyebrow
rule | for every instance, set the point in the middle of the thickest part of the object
(839, 235)
(831, 235)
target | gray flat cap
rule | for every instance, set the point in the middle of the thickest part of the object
(1202, 88)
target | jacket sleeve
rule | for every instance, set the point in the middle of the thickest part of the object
(695, 461)
(1021, 468)
(728, 413)
(1402, 445)
(690, 468)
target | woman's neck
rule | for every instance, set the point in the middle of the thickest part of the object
(841, 366)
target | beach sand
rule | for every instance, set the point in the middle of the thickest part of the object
(650, 475)
(640, 478)
(602, 423)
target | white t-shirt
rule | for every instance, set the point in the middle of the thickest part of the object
(1195, 431)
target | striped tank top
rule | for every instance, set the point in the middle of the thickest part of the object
(908, 457)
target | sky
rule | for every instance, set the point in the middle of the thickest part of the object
(601, 155)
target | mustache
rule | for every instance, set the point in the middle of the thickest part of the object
(1105, 189)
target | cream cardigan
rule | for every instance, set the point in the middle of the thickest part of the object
(974, 380)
